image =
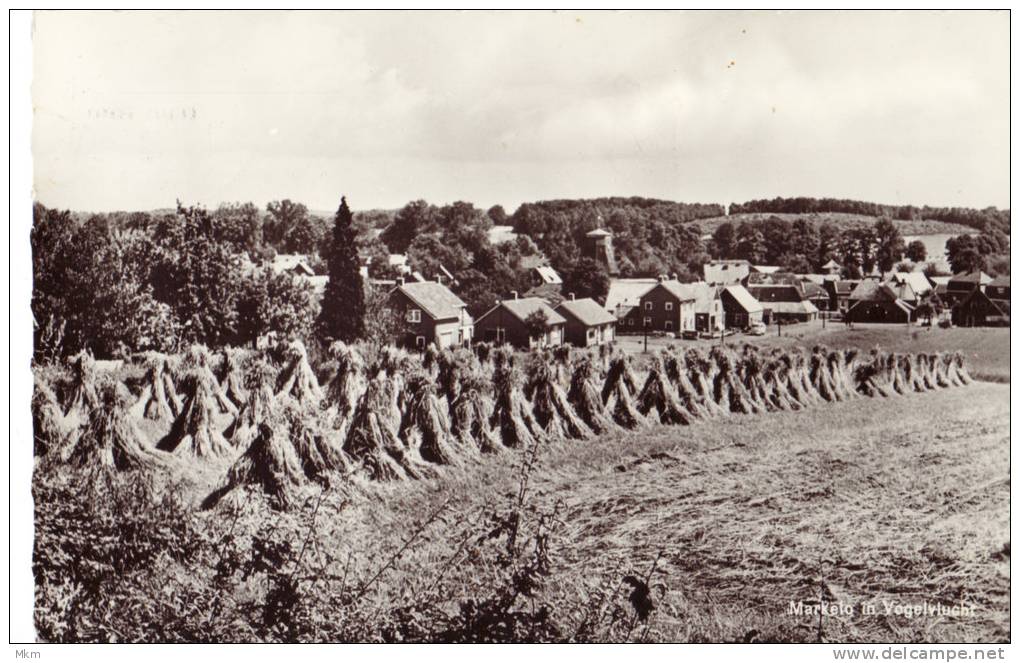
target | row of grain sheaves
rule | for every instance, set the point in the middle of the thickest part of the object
(385, 415)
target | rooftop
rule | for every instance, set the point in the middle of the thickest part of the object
(587, 311)
(434, 298)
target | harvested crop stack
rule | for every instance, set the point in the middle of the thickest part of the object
(298, 380)
(466, 390)
(197, 360)
(232, 377)
(346, 388)
(318, 456)
(424, 425)
(372, 442)
(50, 434)
(821, 379)
(689, 396)
(728, 390)
(84, 395)
(927, 369)
(800, 379)
(841, 366)
(258, 407)
(550, 405)
(194, 432)
(959, 369)
(938, 370)
(270, 464)
(159, 400)
(511, 414)
(658, 395)
(111, 438)
(585, 398)
(750, 368)
(912, 379)
(872, 377)
(701, 372)
(617, 394)
(775, 375)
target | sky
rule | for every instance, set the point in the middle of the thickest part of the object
(134, 110)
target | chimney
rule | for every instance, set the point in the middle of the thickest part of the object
(572, 298)
(514, 293)
(400, 280)
(661, 278)
(439, 279)
(673, 276)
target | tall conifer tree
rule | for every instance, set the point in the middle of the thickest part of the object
(342, 317)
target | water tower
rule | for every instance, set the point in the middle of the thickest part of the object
(598, 245)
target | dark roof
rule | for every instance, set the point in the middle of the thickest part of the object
(775, 293)
(846, 287)
(434, 298)
(973, 277)
(587, 311)
(525, 306)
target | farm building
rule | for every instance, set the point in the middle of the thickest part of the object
(783, 303)
(709, 315)
(816, 294)
(877, 302)
(668, 306)
(987, 308)
(588, 323)
(727, 272)
(545, 275)
(501, 234)
(740, 308)
(430, 314)
(832, 267)
(840, 292)
(918, 282)
(960, 286)
(506, 323)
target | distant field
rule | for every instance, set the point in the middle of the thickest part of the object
(901, 500)
(985, 348)
(920, 227)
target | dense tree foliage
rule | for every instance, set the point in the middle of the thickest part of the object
(342, 314)
(916, 251)
(587, 278)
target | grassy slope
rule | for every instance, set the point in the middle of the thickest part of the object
(841, 221)
(986, 349)
(903, 499)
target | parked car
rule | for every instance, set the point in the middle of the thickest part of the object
(757, 329)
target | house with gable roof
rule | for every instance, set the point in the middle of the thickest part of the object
(430, 314)
(506, 322)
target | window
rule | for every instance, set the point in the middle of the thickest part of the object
(500, 335)
(648, 322)
(669, 325)
(669, 306)
(648, 306)
(630, 322)
(419, 341)
(413, 315)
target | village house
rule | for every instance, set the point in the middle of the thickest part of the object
(544, 275)
(873, 301)
(430, 314)
(588, 324)
(918, 282)
(506, 322)
(668, 306)
(984, 308)
(783, 302)
(709, 314)
(727, 272)
(624, 295)
(740, 308)
(295, 264)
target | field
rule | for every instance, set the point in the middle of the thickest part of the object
(986, 348)
(842, 221)
(786, 479)
(870, 500)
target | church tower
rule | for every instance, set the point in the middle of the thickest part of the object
(598, 245)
